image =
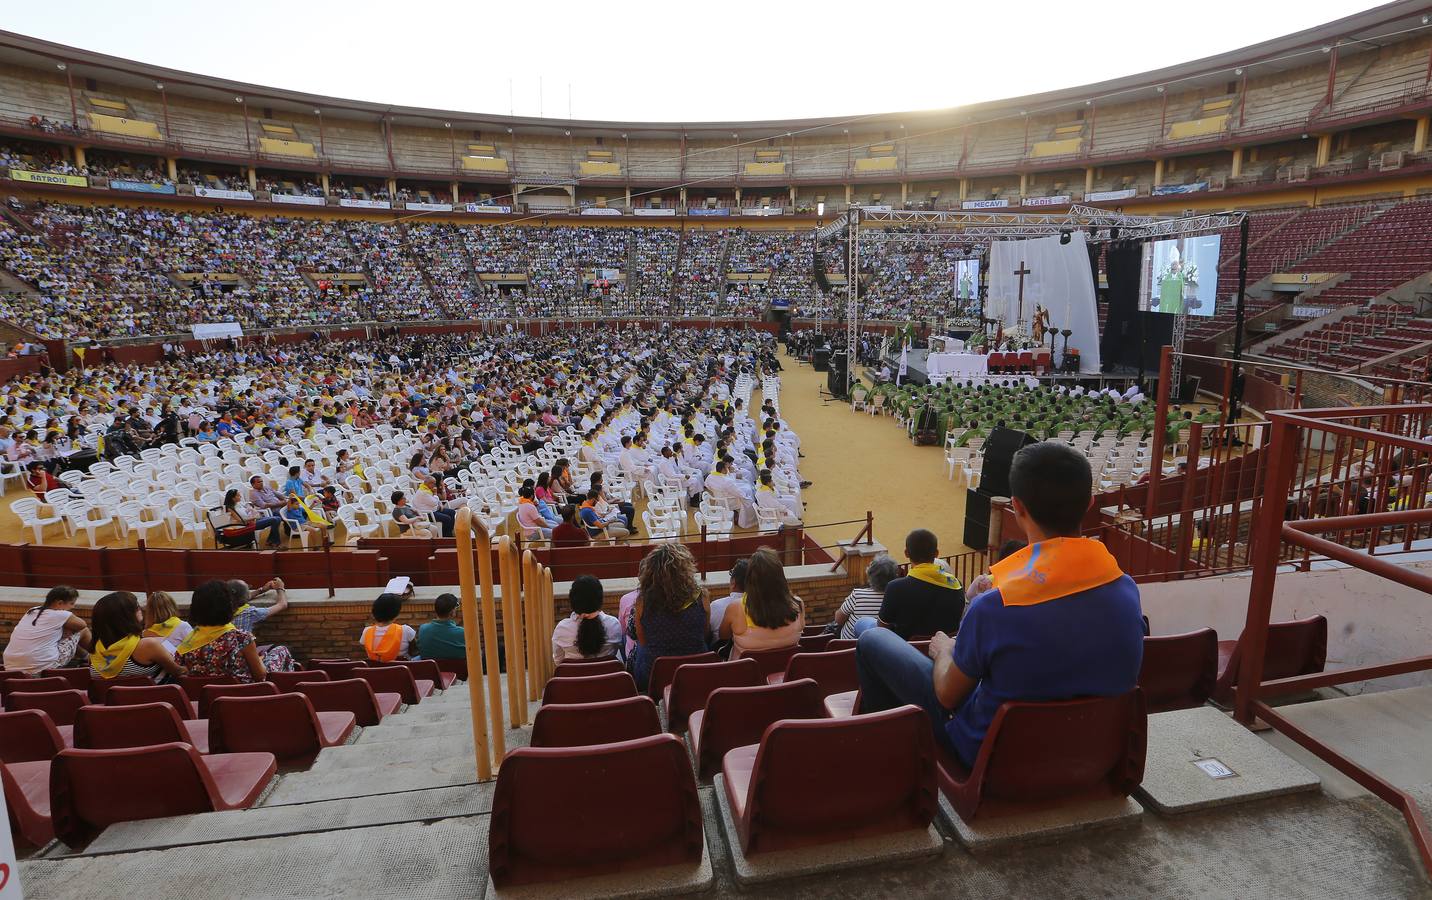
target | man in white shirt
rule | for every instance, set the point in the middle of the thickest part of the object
(738, 592)
(727, 489)
(668, 469)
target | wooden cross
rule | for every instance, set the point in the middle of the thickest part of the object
(1022, 271)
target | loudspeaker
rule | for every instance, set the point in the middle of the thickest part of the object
(999, 450)
(976, 518)
(835, 379)
(820, 358)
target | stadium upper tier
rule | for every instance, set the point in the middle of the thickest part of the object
(1347, 97)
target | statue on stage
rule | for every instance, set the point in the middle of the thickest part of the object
(1040, 325)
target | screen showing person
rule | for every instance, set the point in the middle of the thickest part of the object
(1180, 275)
(967, 279)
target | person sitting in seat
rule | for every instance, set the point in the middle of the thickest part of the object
(1061, 621)
(671, 615)
(47, 636)
(864, 602)
(928, 599)
(443, 637)
(120, 647)
(385, 641)
(409, 522)
(570, 533)
(247, 616)
(217, 646)
(769, 617)
(161, 620)
(588, 633)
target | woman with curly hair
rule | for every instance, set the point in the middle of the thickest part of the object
(671, 615)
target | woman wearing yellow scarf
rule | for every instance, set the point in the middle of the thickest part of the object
(216, 647)
(161, 620)
(120, 647)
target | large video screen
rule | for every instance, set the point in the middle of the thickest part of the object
(967, 279)
(1180, 275)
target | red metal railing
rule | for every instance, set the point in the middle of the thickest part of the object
(1359, 475)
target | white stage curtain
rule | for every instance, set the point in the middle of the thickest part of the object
(1058, 280)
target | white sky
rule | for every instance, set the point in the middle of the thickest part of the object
(672, 60)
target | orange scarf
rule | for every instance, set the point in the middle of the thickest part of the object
(1052, 569)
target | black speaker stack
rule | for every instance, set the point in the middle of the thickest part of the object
(835, 377)
(820, 359)
(999, 450)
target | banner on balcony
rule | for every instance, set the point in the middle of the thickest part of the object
(49, 178)
(601, 211)
(298, 199)
(703, 211)
(1181, 188)
(429, 207)
(220, 194)
(1099, 196)
(1060, 200)
(356, 203)
(641, 211)
(1001, 203)
(487, 208)
(208, 331)
(143, 187)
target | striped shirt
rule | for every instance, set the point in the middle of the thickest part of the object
(862, 602)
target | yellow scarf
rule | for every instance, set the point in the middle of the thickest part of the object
(108, 662)
(1052, 569)
(934, 573)
(203, 636)
(165, 628)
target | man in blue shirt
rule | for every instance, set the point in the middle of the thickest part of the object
(1061, 621)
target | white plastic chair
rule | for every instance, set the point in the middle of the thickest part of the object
(188, 518)
(28, 510)
(129, 517)
(91, 518)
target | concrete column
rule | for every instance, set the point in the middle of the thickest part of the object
(572, 193)
(964, 188)
(1237, 162)
(1023, 183)
(683, 201)
(793, 196)
(173, 166)
(1419, 140)
(738, 198)
(1325, 149)
(454, 193)
(1158, 172)
(1088, 180)
(628, 196)
(79, 156)
(253, 178)
(904, 193)
(849, 194)
(393, 189)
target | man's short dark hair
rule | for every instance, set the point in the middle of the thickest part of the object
(1055, 484)
(921, 545)
(444, 605)
(387, 607)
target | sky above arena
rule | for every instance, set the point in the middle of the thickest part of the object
(664, 61)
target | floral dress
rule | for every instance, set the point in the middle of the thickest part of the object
(225, 656)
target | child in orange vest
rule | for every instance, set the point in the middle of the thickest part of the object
(385, 641)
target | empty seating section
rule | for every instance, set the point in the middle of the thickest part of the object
(425, 149)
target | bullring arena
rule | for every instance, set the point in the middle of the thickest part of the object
(1030, 497)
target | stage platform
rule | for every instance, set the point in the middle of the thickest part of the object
(918, 372)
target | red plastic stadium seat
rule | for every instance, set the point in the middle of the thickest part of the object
(395, 680)
(694, 683)
(846, 703)
(585, 724)
(771, 661)
(814, 643)
(780, 791)
(458, 667)
(552, 820)
(101, 686)
(35, 686)
(351, 695)
(93, 789)
(1100, 745)
(79, 677)
(60, 706)
(140, 725)
(589, 689)
(427, 670)
(841, 644)
(212, 692)
(27, 799)
(585, 668)
(833, 670)
(738, 716)
(338, 668)
(28, 736)
(285, 725)
(1299, 647)
(1179, 670)
(173, 694)
(663, 667)
(194, 684)
(288, 682)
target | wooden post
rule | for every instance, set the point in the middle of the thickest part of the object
(544, 596)
(462, 529)
(489, 641)
(537, 647)
(514, 637)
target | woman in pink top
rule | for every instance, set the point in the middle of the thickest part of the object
(769, 617)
